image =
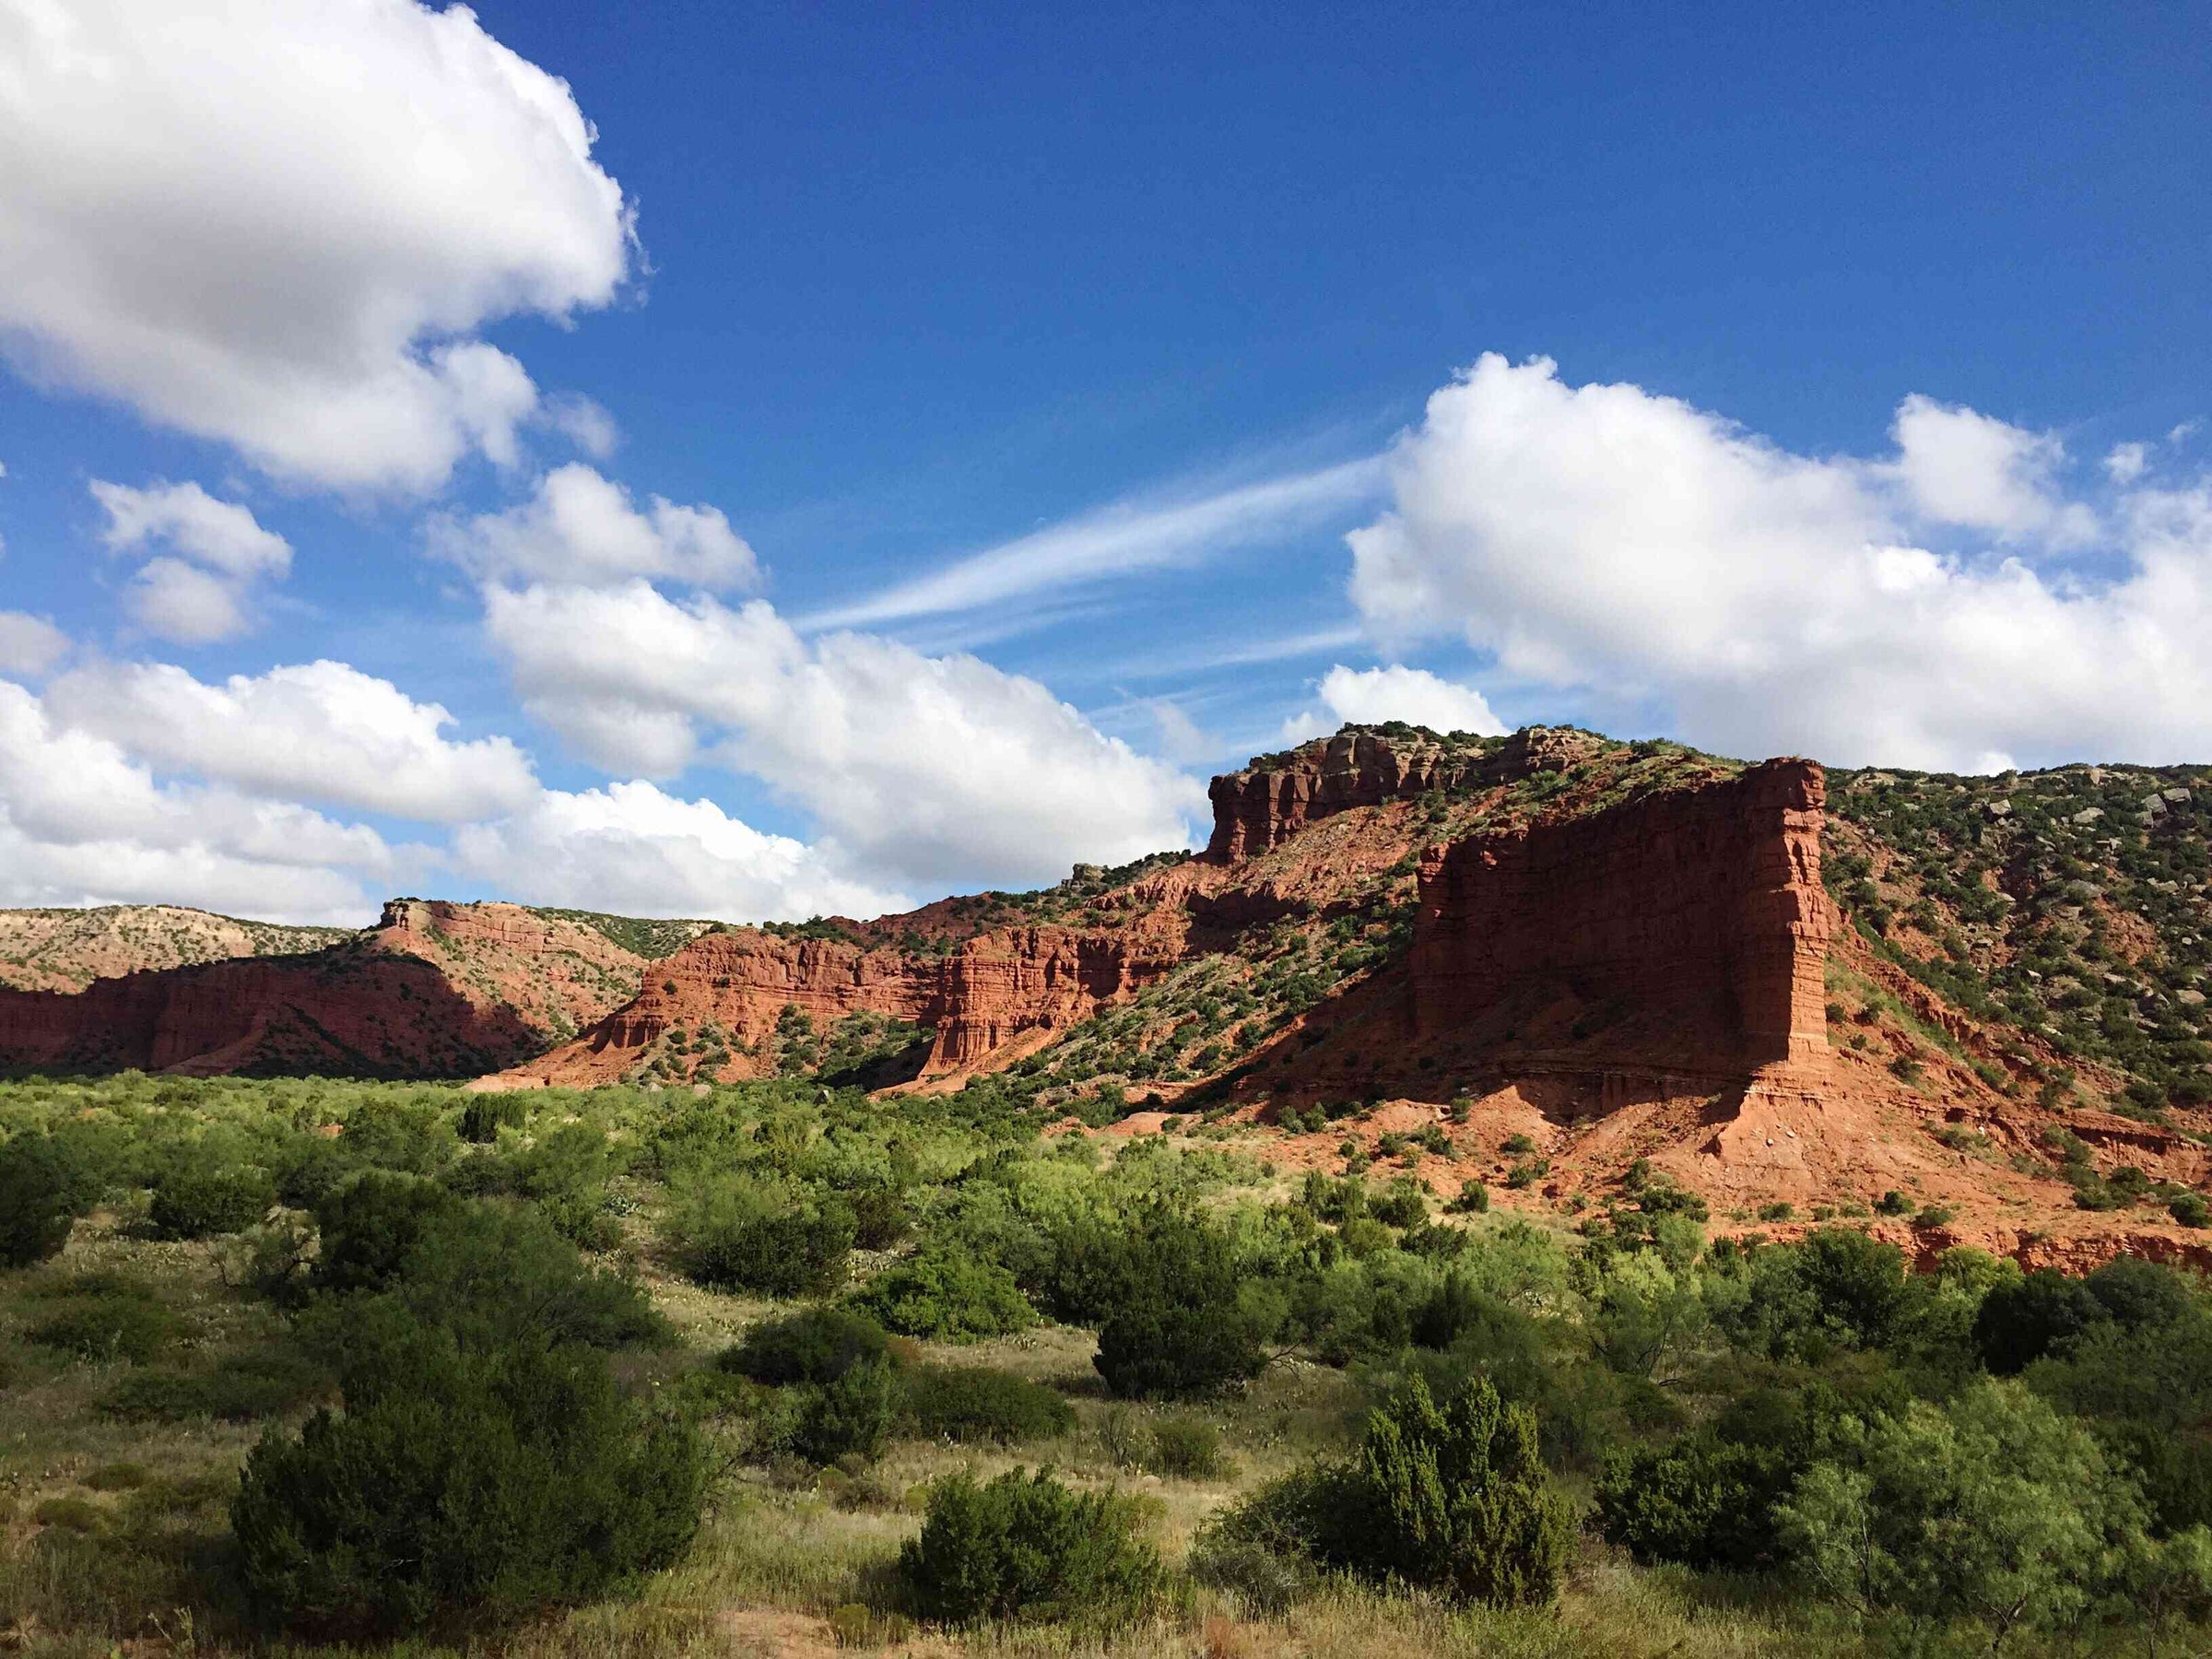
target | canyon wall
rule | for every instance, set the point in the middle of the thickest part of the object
(1701, 909)
(436, 990)
(1267, 803)
(976, 997)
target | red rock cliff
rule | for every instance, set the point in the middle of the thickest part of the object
(437, 989)
(1701, 905)
(1268, 803)
(978, 996)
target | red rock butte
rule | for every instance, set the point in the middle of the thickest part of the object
(1698, 911)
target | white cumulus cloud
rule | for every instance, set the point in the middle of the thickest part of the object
(633, 849)
(30, 645)
(317, 731)
(919, 769)
(1624, 546)
(200, 590)
(1967, 468)
(1370, 696)
(580, 528)
(280, 226)
(81, 822)
(222, 535)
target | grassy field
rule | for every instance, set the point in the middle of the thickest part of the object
(139, 1371)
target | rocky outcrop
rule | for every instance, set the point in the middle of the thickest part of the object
(339, 1013)
(977, 998)
(437, 989)
(1272, 800)
(67, 949)
(1001, 986)
(1698, 911)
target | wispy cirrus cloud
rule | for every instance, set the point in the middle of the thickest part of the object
(1126, 539)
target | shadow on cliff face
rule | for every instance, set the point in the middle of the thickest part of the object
(346, 1012)
(1575, 1055)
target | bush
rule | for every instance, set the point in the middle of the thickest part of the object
(71, 1514)
(486, 1114)
(240, 1389)
(196, 1197)
(463, 1484)
(1701, 1500)
(1176, 1326)
(881, 1217)
(733, 1234)
(1996, 1509)
(1024, 1546)
(815, 1345)
(972, 1403)
(954, 1297)
(848, 1418)
(370, 1224)
(2191, 1209)
(99, 1318)
(1187, 1448)
(565, 1175)
(2036, 1314)
(497, 1271)
(42, 1189)
(1455, 1499)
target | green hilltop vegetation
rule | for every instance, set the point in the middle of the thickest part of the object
(646, 1371)
(2075, 904)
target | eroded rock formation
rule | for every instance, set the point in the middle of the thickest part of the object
(977, 998)
(1699, 911)
(436, 989)
(1270, 801)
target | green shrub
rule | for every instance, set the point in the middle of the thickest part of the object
(198, 1196)
(2190, 1209)
(1455, 1499)
(1025, 1547)
(370, 1224)
(565, 1175)
(1996, 1509)
(881, 1216)
(2019, 1323)
(814, 1344)
(1836, 1290)
(948, 1296)
(848, 1418)
(972, 1403)
(498, 1271)
(241, 1389)
(1701, 1500)
(43, 1188)
(1401, 1205)
(463, 1484)
(1187, 1448)
(486, 1114)
(1474, 1198)
(734, 1234)
(102, 1319)
(1167, 1287)
(70, 1514)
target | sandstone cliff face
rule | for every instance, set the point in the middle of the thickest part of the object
(437, 989)
(1699, 910)
(1264, 805)
(977, 998)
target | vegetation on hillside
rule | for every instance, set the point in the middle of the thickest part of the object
(621, 1369)
(2075, 905)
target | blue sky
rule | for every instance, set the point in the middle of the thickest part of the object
(1046, 411)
